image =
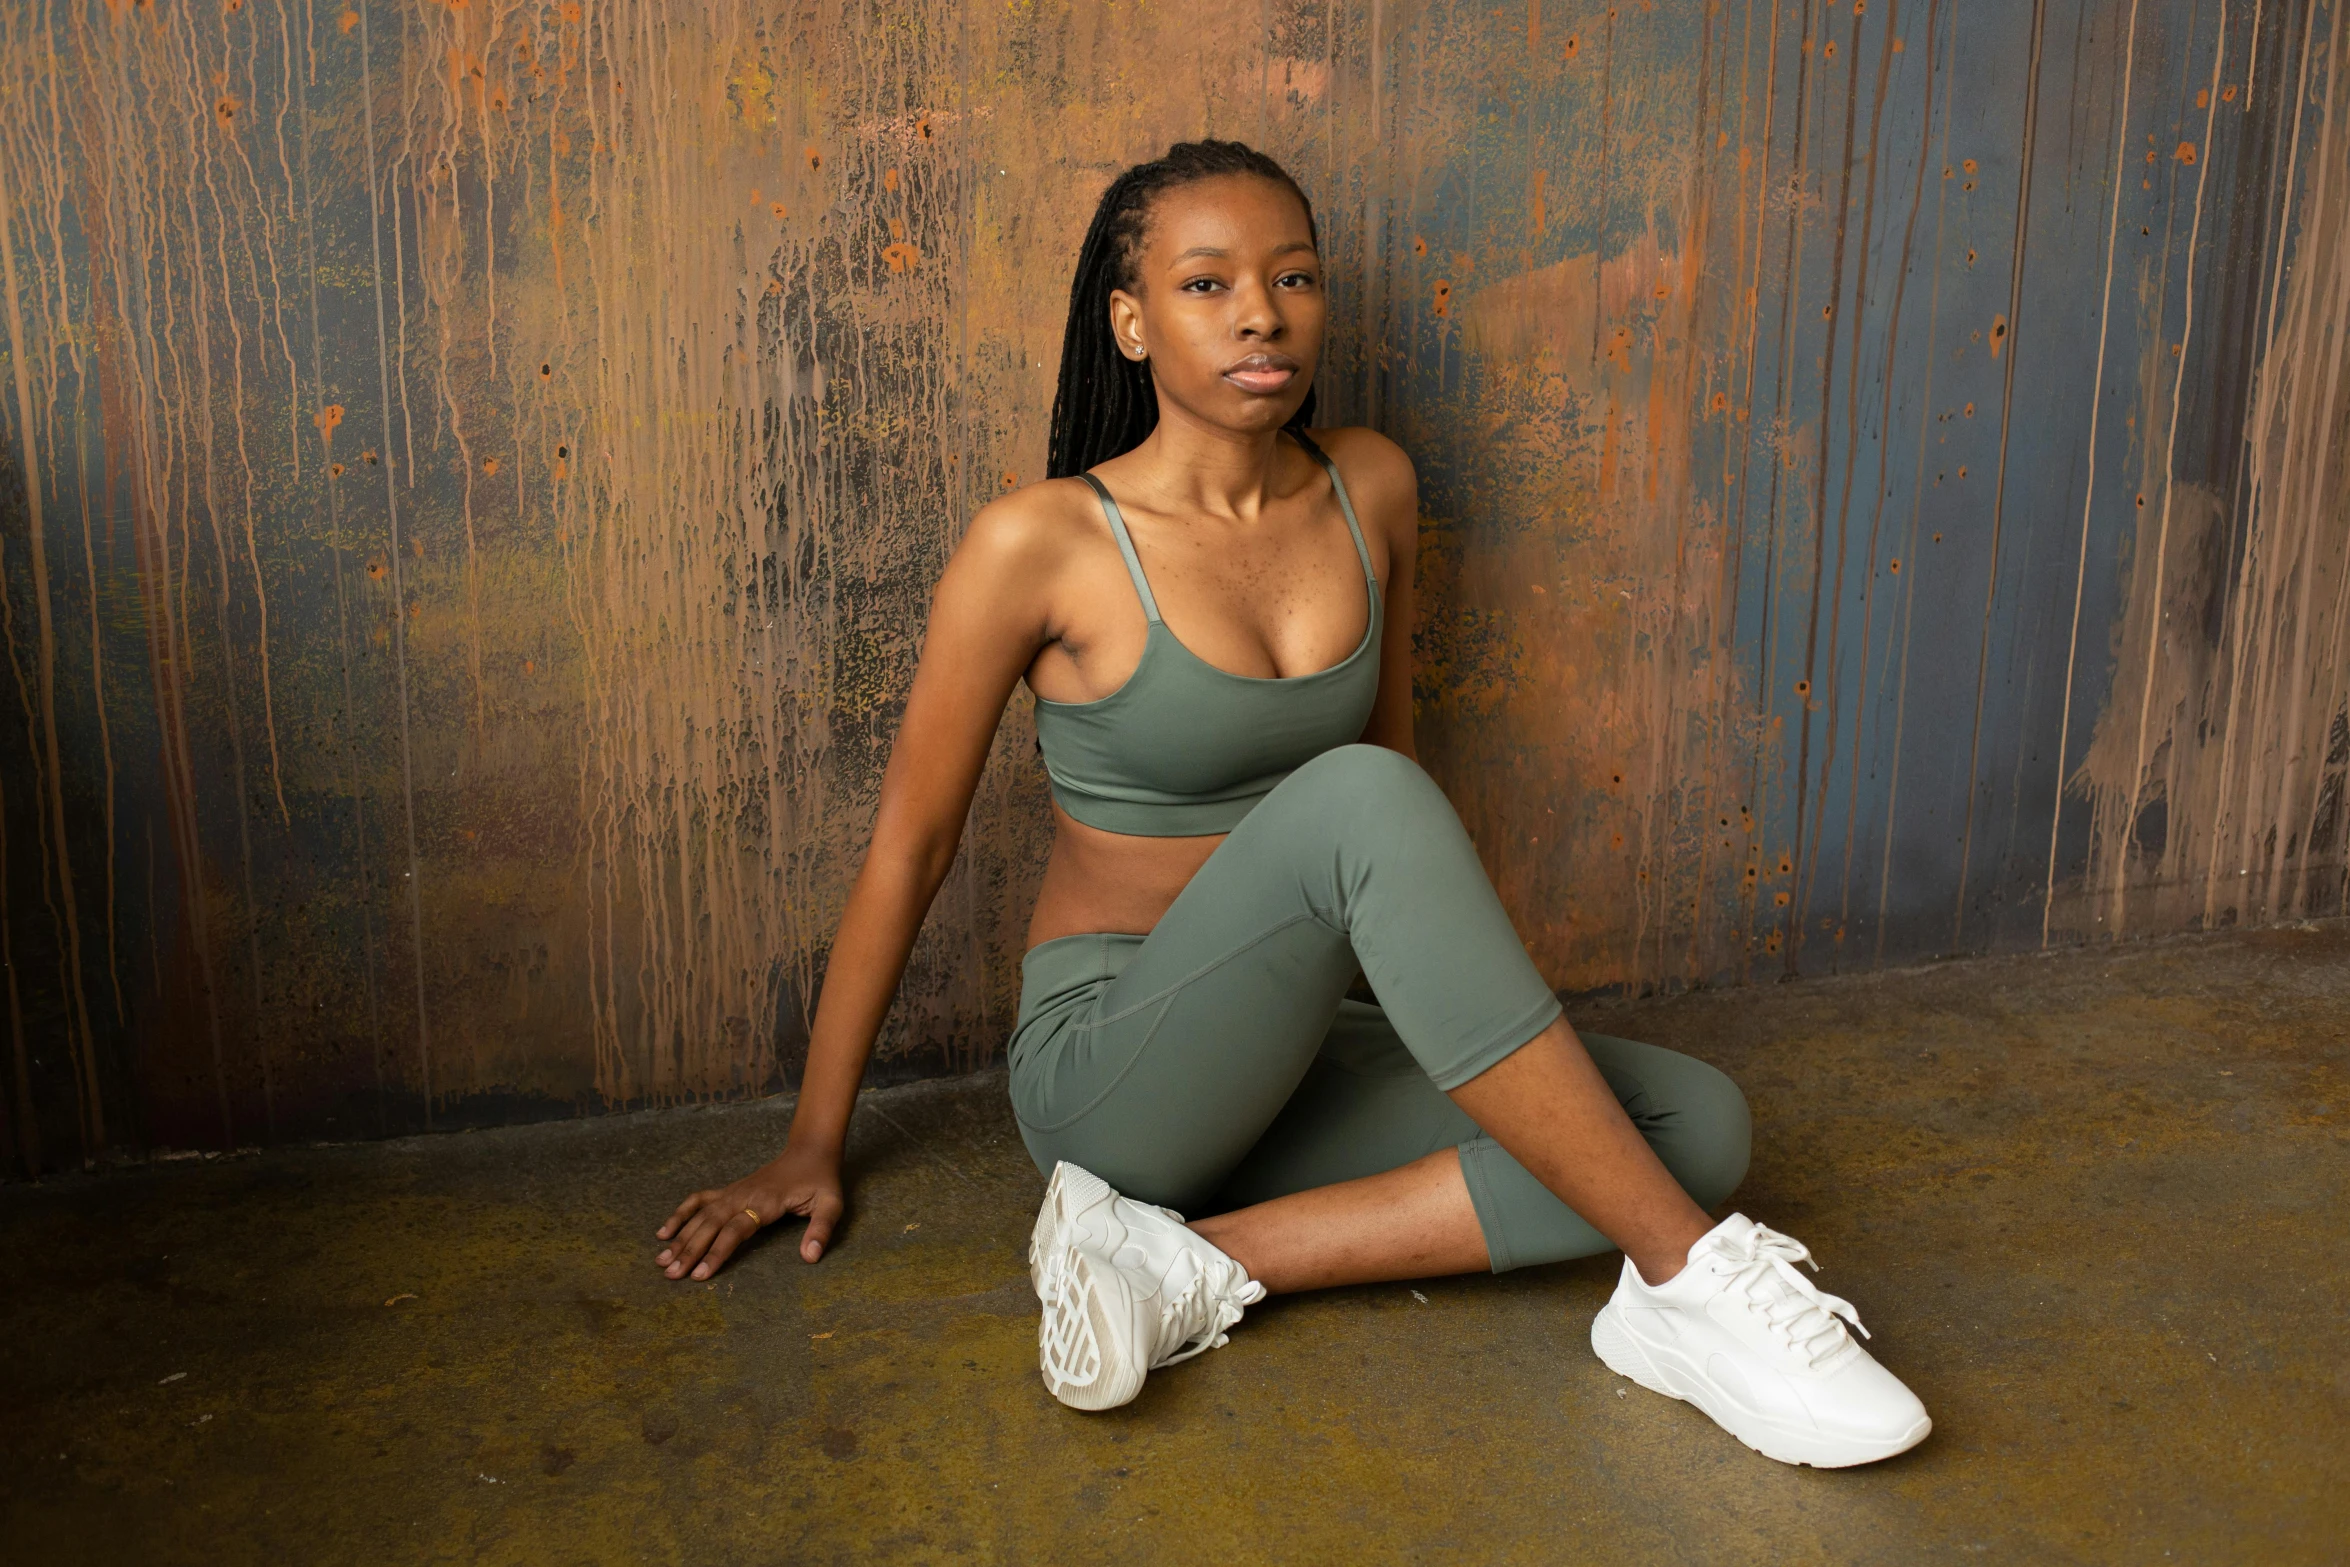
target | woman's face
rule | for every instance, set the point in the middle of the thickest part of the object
(1228, 302)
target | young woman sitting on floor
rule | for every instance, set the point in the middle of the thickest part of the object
(1212, 605)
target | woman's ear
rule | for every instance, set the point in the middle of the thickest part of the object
(1126, 325)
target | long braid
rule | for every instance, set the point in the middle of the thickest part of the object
(1105, 403)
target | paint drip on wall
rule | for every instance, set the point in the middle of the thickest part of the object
(2219, 764)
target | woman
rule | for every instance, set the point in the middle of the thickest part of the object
(1212, 606)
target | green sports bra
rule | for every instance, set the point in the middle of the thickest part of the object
(1183, 748)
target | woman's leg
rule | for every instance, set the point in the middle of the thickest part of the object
(1166, 1076)
(1415, 1221)
(1548, 1105)
(1372, 1173)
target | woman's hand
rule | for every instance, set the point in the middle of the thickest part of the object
(708, 1226)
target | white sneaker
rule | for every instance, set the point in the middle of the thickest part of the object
(1126, 1288)
(1753, 1343)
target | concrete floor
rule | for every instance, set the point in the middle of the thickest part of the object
(2092, 1206)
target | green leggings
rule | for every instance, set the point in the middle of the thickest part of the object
(1217, 1061)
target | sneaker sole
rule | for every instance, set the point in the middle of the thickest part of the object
(1083, 1347)
(1623, 1354)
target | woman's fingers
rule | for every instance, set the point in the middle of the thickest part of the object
(710, 1236)
(730, 1235)
(675, 1256)
(685, 1210)
(823, 1213)
(675, 1232)
(693, 1240)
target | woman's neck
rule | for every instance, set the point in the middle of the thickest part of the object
(1201, 470)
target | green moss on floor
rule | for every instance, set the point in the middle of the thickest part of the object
(2090, 1204)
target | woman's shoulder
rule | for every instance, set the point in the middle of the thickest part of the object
(1360, 441)
(1035, 526)
(1375, 468)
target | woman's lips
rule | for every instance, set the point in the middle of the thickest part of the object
(1259, 380)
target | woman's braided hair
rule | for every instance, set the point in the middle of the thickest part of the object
(1105, 403)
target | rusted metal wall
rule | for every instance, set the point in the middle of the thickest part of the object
(474, 472)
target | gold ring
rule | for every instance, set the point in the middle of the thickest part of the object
(754, 1213)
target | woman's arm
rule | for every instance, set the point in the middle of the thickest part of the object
(988, 618)
(1386, 492)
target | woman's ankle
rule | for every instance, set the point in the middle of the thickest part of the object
(1231, 1238)
(1658, 1268)
(1661, 1258)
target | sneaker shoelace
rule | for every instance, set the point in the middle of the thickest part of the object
(1802, 1313)
(1211, 1289)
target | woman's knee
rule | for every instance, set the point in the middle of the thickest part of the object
(1372, 778)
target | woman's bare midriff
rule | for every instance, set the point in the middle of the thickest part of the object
(1111, 881)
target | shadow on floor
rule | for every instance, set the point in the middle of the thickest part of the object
(2091, 1205)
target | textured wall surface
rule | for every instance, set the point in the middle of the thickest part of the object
(473, 473)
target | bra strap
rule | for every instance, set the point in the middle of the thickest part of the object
(1142, 586)
(1362, 550)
